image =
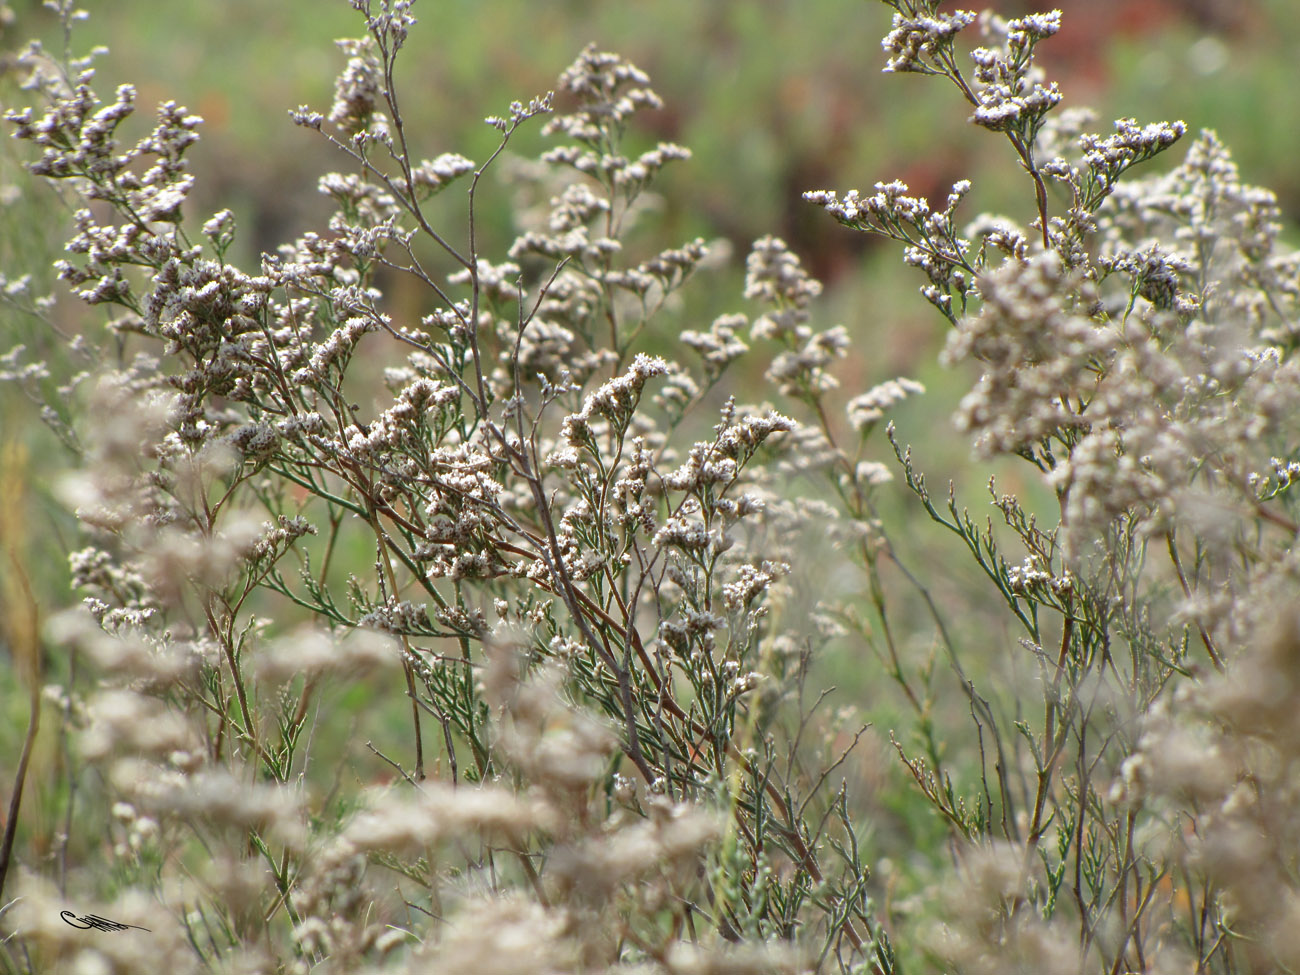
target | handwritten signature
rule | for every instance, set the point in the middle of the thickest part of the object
(95, 922)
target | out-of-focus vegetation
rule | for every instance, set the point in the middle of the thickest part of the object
(773, 97)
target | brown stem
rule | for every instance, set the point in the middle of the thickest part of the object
(790, 829)
(20, 777)
(1215, 658)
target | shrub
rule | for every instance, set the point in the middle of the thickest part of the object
(577, 567)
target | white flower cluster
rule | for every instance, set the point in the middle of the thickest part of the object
(919, 41)
(720, 346)
(930, 236)
(357, 91)
(614, 400)
(1029, 575)
(1011, 95)
(1037, 354)
(774, 276)
(866, 409)
(611, 87)
(1107, 157)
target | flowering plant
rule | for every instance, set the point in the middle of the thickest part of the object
(567, 565)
